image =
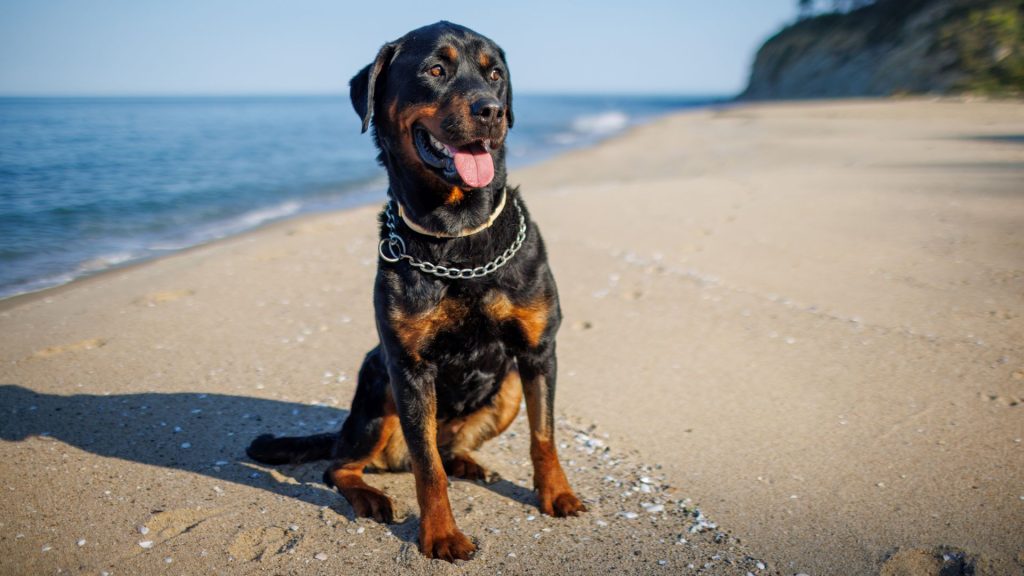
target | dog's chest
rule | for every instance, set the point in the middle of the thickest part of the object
(468, 328)
(472, 342)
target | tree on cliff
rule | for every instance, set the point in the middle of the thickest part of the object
(808, 8)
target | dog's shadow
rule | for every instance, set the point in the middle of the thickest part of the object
(200, 433)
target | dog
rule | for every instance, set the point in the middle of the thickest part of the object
(465, 302)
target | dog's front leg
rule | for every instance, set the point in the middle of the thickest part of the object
(413, 389)
(538, 370)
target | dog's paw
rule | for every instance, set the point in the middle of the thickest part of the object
(463, 466)
(448, 547)
(368, 502)
(562, 505)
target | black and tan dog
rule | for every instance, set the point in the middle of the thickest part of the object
(466, 306)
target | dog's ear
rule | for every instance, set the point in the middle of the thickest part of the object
(365, 83)
(508, 89)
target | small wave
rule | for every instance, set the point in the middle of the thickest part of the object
(83, 269)
(36, 284)
(231, 226)
(257, 217)
(105, 261)
(587, 128)
(601, 124)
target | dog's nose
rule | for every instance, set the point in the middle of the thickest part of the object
(488, 110)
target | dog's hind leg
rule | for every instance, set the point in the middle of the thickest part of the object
(459, 438)
(370, 428)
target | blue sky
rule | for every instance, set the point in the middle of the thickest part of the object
(122, 47)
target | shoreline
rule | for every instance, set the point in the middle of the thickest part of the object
(16, 300)
(235, 203)
(824, 310)
(360, 198)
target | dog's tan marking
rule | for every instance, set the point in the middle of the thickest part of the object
(352, 472)
(425, 114)
(484, 60)
(348, 478)
(395, 455)
(465, 434)
(399, 126)
(455, 197)
(416, 331)
(389, 426)
(439, 537)
(451, 53)
(553, 490)
(532, 317)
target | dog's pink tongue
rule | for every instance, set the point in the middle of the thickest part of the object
(474, 165)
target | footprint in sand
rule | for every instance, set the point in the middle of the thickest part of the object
(168, 524)
(922, 562)
(163, 297)
(90, 344)
(257, 544)
(1009, 401)
(634, 294)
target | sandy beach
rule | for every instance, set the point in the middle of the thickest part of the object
(793, 343)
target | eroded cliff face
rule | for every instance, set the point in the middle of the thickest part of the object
(895, 47)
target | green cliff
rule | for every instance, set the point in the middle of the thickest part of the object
(896, 47)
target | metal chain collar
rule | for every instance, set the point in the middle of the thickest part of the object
(392, 249)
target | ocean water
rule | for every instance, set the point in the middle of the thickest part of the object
(87, 184)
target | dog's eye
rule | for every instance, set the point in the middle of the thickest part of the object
(436, 71)
(495, 74)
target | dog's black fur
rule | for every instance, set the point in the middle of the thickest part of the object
(455, 355)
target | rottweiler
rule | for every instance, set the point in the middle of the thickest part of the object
(465, 303)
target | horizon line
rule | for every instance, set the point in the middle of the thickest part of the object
(323, 94)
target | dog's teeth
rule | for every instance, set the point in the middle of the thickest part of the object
(440, 148)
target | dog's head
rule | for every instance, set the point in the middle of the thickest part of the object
(440, 102)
